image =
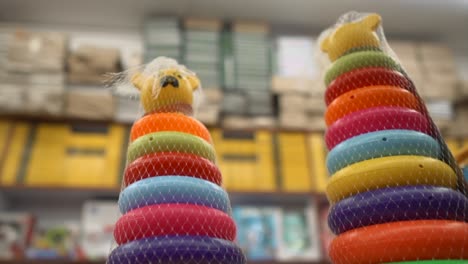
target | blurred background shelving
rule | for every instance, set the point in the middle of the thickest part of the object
(63, 135)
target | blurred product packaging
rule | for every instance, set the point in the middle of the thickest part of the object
(32, 79)
(88, 64)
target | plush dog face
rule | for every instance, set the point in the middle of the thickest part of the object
(171, 87)
(352, 35)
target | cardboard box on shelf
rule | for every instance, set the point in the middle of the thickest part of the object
(282, 85)
(435, 51)
(293, 121)
(315, 105)
(203, 24)
(463, 88)
(88, 64)
(45, 99)
(12, 98)
(236, 122)
(439, 87)
(208, 114)
(405, 50)
(251, 27)
(234, 103)
(127, 110)
(37, 51)
(316, 122)
(90, 103)
(458, 127)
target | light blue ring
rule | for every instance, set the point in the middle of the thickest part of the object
(381, 144)
(173, 189)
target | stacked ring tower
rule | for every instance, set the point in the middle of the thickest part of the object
(173, 208)
(394, 196)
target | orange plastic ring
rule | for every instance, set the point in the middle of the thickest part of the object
(401, 241)
(169, 122)
(368, 97)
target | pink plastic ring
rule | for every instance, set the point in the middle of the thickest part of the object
(375, 119)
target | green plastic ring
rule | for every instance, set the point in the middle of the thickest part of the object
(358, 60)
(170, 142)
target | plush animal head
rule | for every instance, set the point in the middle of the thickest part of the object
(359, 34)
(168, 88)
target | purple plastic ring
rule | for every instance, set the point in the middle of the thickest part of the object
(178, 250)
(421, 202)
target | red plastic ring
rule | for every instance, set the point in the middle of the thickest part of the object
(169, 122)
(367, 97)
(173, 220)
(365, 77)
(171, 163)
(376, 119)
(401, 241)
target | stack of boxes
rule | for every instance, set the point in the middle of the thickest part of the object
(35, 72)
(296, 83)
(162, 37)
(87, 67)
(252, 47)
(202, 54)
(247, 76)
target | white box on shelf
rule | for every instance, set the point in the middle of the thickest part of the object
(98, 219)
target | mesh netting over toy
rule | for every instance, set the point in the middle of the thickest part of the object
(396, 192)
(173, 208)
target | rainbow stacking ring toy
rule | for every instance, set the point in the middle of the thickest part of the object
(390, 171)
(169, 163)
(376, 119)
(368, 97)
(401, 241)
(397, 204)
(173, 189)
(178, 250)
(381, 144)
(170, 142)
(357, 60)
(365, 77)
(172, 220)
(169, 122)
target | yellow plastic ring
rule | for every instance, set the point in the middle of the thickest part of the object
(390, 171)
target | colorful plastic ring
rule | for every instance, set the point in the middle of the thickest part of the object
(375, 119)
(169, 122)
(368, 97)
(397, 204)
(173, 189)
(357, 60)
(169, 163)
(401, 241)
(364, 77)
(389, 172)
(381, 144)
(172, 220)
(170, 142)
(178, 250)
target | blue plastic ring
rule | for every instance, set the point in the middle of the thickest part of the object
(381, 144)
(173, 189)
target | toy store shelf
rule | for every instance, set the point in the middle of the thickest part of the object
(311, 14)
